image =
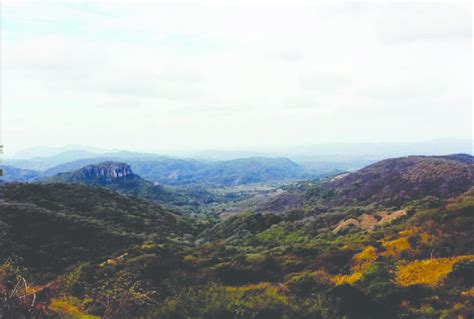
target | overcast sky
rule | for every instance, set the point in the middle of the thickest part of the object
(175, 77)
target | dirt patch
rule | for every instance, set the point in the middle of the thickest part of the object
(368, 221)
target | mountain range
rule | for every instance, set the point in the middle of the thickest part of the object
(174, 171)
(318, 158)
(312, 153)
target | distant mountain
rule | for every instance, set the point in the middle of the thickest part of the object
(226, 155)
(11, 173)
(70, 160)
(122, 156)
(172, 171)
(74, 165)
(249, 170)
(223, 173)
(343, 152)
(155, 168)
(390, 182)
(48, 151)
(119, 177)
(314, 160)
(56, 225)
(44, 163)
(378, 151)
(102, 174)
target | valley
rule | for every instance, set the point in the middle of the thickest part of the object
(252, 238)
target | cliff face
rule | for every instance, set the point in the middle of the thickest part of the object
(118, 177)
(107, 171)
(101, 174)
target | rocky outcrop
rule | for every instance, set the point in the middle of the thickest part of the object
(107, 171)
(101, 174)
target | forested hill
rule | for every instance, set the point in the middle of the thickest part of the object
(390, 182)
(55, 225)
(399, 180)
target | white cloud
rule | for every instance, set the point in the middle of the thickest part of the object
(175, 76)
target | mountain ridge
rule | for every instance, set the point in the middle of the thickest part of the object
(175, 171)
(388, 182)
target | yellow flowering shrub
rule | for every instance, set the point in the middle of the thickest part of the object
(426, 272)
(362, 260)
(347, 279)
(69, 307)
(395, 247)
(425, 238)
(365, 258)
(409, 232)
(468, 293)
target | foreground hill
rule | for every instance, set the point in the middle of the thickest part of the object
(390, 182)
(418, 266)
(55, 225)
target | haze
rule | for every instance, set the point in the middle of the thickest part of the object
(174, 77)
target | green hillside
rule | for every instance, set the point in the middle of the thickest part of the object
(55, 225)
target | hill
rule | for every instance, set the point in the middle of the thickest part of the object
(390, 182)
(119, 177)
(248, 170)
(248, 266)
(397, 181)
(55, 225)
(11, 173)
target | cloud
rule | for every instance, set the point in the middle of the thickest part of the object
(250, 74)
(424, 22)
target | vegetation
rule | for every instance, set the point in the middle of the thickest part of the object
(410, 260)
(11, 173)
(428, 271)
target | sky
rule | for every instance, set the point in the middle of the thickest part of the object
(155, 77)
